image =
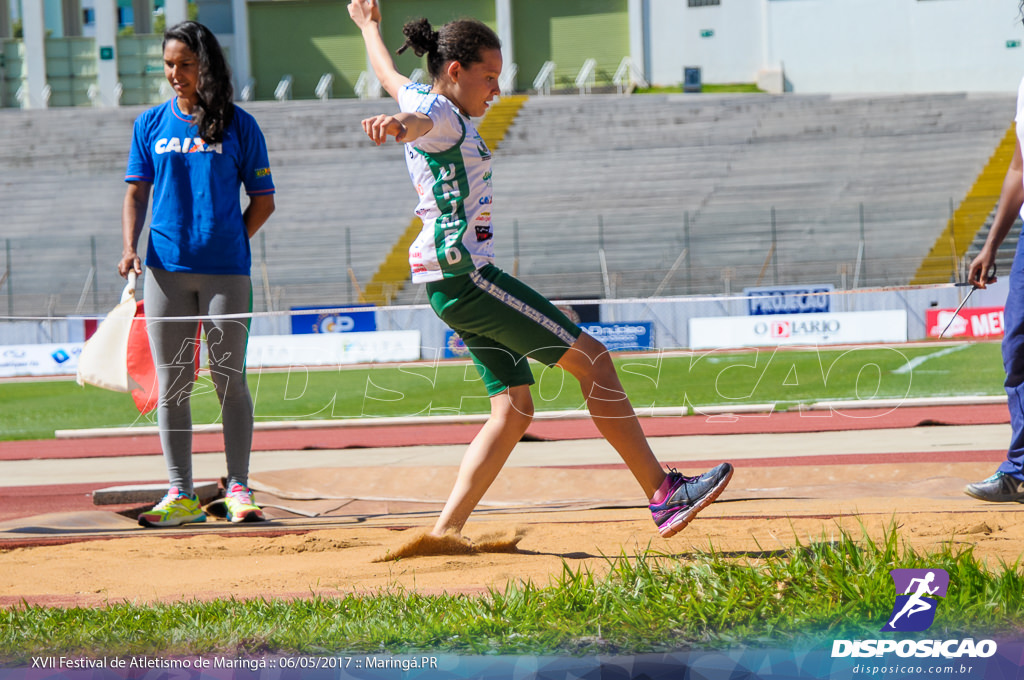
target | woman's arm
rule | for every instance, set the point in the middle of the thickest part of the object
(404, 127)
(366, 15)
(1010, 201)
(133, 219)
(259, 210)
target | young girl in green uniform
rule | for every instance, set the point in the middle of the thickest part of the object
(501, 320)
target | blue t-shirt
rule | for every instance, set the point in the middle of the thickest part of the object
(197, 221)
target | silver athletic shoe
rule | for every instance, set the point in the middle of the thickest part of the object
(999, 488)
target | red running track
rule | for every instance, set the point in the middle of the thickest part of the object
(371, 436)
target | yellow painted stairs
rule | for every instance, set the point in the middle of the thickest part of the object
(943, 263)
(393, 273)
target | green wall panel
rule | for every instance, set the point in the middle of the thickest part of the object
(305, 40)
(140, 68)
(308, 38)
(70, 70)
(568, 32)
(439, 12)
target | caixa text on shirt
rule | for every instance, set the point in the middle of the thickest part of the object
(789, 299)
(187, 145)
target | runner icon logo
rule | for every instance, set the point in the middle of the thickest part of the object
(917, 591)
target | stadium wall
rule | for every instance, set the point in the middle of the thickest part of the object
(856, 46)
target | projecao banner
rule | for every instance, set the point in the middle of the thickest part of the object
(798, 329)
(973, 322)
(789, 300)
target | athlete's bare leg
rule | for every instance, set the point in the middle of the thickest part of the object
(511, 413)
(588, 360)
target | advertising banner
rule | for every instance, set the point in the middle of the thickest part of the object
(789, 299)
(973, 322)
(39, 359)
(798, 329)
(626, 336)
(362, 321)
(454, 348)
(332, 349)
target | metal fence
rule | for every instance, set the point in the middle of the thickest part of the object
(586, 256)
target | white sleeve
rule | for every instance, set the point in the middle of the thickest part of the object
(447, 130)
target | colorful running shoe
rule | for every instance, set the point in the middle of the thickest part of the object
(175, 509)
(683, 497)
(239, 507)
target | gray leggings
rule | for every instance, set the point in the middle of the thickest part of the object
(170, 294)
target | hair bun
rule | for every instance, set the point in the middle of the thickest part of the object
(420, 36)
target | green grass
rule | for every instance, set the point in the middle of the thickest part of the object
(809, 595)
(34, 410)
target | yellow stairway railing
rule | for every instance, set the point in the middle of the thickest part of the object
(942, 263)
(393, 273)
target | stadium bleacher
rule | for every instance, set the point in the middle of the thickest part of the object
(642, 183)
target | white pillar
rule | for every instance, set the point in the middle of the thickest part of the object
(34, 28)
(637, 42)
(767, 53)
(240, 59)
(106, 52)
(175, 11)
(503, 14)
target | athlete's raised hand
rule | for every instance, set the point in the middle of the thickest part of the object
(364, 12)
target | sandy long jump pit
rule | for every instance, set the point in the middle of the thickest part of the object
(333, 530)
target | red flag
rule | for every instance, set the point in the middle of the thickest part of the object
(141, 367)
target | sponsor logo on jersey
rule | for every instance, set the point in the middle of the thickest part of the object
(263, 172)
(187, 145)
(483, 232)
(481, 148)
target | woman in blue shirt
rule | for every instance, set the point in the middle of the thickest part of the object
(192, 154)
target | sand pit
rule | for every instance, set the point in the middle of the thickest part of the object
(764, 511)
(356, 521)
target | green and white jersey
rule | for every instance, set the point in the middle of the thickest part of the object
(450, 167)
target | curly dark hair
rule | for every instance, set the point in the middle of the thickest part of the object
(461, 40)
(216, 106)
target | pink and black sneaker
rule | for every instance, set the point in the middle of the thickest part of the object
(680, 498)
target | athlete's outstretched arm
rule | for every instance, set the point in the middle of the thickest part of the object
(366, 15)
(404, 127)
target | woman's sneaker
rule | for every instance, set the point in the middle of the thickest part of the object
(999, 488)
(683, 497)
(239, 507)
(175, 509)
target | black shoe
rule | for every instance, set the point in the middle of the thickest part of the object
(999, 488)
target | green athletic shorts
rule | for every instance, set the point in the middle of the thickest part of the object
(502, 321)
